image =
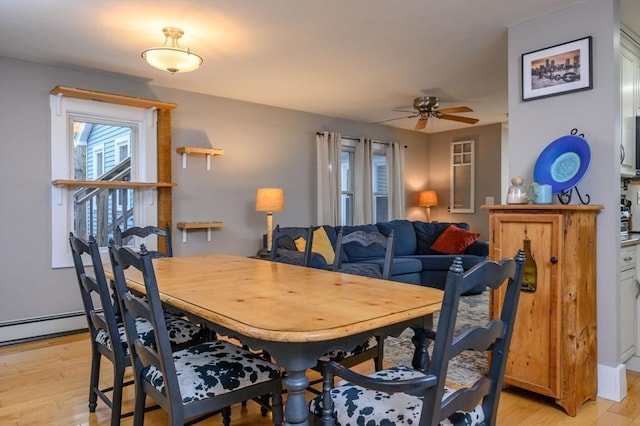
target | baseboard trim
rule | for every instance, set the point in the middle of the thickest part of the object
(41, 327)
(633, 363)
(612, 382)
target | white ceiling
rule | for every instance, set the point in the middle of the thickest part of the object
(356, 59)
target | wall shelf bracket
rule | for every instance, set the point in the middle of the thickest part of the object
(185, 226)
(208, 152)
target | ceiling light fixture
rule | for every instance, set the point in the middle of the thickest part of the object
(171, 57)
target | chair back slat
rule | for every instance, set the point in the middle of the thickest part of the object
(123, 238)
(477, 338)
(365, 239)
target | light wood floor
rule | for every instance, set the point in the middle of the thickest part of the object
(45, 383)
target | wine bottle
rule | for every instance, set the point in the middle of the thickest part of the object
(530, 275)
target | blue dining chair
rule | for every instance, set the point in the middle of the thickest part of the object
(404, 395)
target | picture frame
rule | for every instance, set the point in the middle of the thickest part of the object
(557, 70)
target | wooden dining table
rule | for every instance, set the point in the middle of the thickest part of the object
(295, 313)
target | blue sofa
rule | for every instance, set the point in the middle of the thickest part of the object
(414, 260)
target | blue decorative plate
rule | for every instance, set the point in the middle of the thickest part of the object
(563, 163)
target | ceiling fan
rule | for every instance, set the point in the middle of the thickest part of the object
(427, 107)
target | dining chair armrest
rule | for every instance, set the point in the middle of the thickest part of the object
(333, 368)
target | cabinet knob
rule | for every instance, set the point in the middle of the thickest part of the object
(554, 260)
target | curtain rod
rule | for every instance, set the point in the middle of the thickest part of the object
(358, 140)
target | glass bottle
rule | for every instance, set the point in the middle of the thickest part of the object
(517, 194)
(530, 275)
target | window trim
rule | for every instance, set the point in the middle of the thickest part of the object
(63, 111)
(162, 111)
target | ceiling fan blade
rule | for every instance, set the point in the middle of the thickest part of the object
(397, 118)
(404, 110)
(422, 123)
(460, 119)
(455, 109)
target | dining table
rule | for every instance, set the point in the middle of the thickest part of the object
(295, 313)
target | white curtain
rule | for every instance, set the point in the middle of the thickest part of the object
(328, 145)
(362, 197)
(395, 167)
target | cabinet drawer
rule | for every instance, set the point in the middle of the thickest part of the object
(627, 258)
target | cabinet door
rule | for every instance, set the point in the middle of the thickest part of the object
(533, 361)
(627, 314)
(628, 83)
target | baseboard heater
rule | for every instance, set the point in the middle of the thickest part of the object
(37, 328)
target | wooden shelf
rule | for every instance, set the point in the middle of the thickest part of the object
(91, 95)
(185, 226)
(112, 184)
(208, 152)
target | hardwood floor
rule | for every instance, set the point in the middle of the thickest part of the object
(46, 383)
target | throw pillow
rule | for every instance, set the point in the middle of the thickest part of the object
(321, 245)
(454, 240)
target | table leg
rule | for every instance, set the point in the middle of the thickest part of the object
(420, 357)
(296, 411)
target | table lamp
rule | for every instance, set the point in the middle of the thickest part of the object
(269, 200)
(428, 199)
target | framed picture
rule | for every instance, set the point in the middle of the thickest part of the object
(557, 70)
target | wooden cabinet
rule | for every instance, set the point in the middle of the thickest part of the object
(554, 347)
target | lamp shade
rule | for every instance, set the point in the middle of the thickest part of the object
(428, 199)
(269, 200)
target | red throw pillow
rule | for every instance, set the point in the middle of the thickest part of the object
(454, 240)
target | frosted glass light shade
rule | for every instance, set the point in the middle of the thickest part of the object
(171, 57)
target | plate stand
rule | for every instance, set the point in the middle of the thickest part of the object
(565, 196)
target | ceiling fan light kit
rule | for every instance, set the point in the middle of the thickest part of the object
(170, 56)
(427, 107)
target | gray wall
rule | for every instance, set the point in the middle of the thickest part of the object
(263, 146)
(488, 141)
(535, 124)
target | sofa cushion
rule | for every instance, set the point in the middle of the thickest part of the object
(357, 253)
(454, 240)
(404, 235)
(428, 232)
(400, 265)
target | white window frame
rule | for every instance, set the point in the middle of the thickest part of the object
(143, 151)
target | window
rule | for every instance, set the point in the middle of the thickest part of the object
(347, 190)
(97, 165)
(379, 178)
(380, 186)
(124, 196)
(462, 177)
(359, 181)
(99, 141)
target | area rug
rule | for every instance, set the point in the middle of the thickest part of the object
(469, 365)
